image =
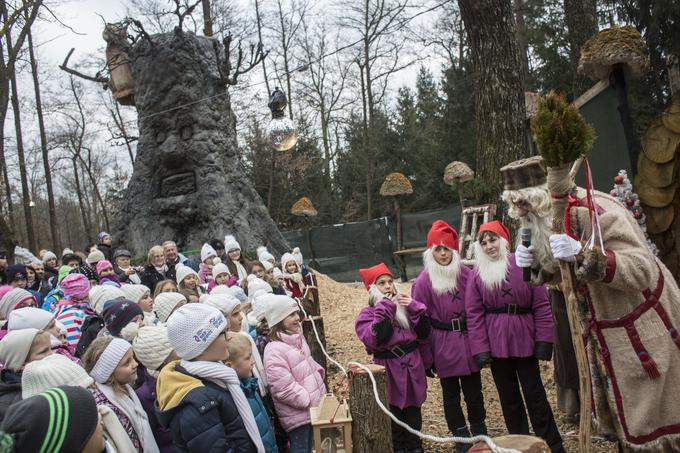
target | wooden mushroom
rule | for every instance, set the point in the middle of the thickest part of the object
(457, 173)
(611, 48)
(304, 208)
(396, 185)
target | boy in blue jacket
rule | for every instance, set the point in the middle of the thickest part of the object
(241, 360)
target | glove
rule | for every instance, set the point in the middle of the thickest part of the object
(564, 247)
(482, 359)
(524, 256)
(431, 372)
(543, 350)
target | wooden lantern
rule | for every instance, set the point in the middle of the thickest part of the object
(332, 425)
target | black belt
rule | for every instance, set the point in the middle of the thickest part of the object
(398, 351)
(509, 309)
(455, 325)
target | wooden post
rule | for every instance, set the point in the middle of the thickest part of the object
(527, 444)
(314, 348)
(397, 213)
(310, 301)
(371, 428)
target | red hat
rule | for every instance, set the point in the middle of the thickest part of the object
(495, 227)
(441, 233)
(370, 275)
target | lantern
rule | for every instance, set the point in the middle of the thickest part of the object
(281, 130)
(332, 425)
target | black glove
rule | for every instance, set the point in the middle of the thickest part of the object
(543, 350)
(423, 328)
(482, 359)
(431, 372)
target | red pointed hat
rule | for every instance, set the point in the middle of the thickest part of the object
(370, 275)
(495, 227)
(441, 233)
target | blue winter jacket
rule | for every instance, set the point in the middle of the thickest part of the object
(264, 424)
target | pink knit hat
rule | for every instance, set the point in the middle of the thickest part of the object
(103, 265)
(76, 286)
(4, 289)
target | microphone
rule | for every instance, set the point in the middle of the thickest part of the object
(525, 234)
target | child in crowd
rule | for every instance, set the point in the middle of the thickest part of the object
(125, 272)
(165, 286)
(208, 255)
(119, 314)
(263, 256)
(110, 363)
(390, 327)
(199, 398)
(61, 419)
(164, 304)
(257, 269)
(187, 279)
(107, 276)
(221, 276)
(36, 318)
(14, 299)
(90, 273)
(241, 360)
(292, 278)
(94, 322)
(18, 348)
(275, 284)
(74, 306)
(141, 295)
(191, 295)
(237, 264)
(295, 379)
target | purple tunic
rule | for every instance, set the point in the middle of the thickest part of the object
(406, 380)
(448, 350)
(506, 335)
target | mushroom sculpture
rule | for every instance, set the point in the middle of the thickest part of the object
(612, 48)
(396, 185)
(456, 174)
(304, 208)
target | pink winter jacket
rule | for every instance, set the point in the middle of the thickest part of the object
(295, 379)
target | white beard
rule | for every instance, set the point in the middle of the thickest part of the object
(540, 240)
(443, 278)
(492, 272)
(401, 315)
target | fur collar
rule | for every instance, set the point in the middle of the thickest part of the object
(492, 273)
(443, 278)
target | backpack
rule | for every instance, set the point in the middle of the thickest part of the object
(88, 332)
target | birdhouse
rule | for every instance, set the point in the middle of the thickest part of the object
(332, 425)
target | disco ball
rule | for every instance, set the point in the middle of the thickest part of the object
(281, 133)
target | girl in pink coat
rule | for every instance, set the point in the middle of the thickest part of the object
(390, 327)
(295, 379)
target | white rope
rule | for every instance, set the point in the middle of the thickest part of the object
(466, 440)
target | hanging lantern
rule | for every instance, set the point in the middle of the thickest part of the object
(281, 130)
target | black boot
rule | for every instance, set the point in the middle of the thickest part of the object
(462, 432)
(478, 429)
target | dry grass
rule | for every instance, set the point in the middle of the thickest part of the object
(340, 304)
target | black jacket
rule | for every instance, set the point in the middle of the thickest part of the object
(107, 251)
(10, 391)
(150, 277)
(206, 419)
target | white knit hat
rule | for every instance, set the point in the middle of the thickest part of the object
(223, 302)
(109, 360)
(264, 255)
(15, 346)
(134, 292)
(193, 327)
(207, 251)
(258, 308)
(48, 256)
(94, 257)
(151, 346)
(285, 259)
(182, 272)
(101, 294)
(297, 254)
(277, 273)
(230, 243)
(220, 268)
(235, 291)
(13, 298)
(52, 371)
(277, 308)
(257, 287)
(267, 265)
(29, 317)
(165, 303)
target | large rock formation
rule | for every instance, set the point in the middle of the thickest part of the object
(188, 183)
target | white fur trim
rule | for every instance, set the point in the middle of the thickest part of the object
(443, 278)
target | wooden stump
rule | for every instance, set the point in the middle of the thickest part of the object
(310, 301)
(315, 349)
(371, 428)
(528, 444)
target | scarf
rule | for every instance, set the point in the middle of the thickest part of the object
(240, 270)
(226, 378)
(134, 278)
(162, 270)
(258, 369)
(134, 410)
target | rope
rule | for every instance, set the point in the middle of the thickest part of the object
(318, 339)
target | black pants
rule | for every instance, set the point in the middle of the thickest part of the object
(474, 399)
(509, 374)
(402, 439)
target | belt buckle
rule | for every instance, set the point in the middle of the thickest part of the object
(455, 325)
(512, 309)
(398, 352)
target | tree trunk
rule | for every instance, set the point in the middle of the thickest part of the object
(207, 19)
(25, 193)
(499, 93)
(371, 428)
(79, 193)
(285, 43)
(581, 20)
(314, 348)
(120, 123)
(259, 37)
(522, 41)
(52, 211)
(95, 189)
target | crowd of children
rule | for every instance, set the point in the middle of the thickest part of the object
(99, 355)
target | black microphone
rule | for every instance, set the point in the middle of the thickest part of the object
(525, 234)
